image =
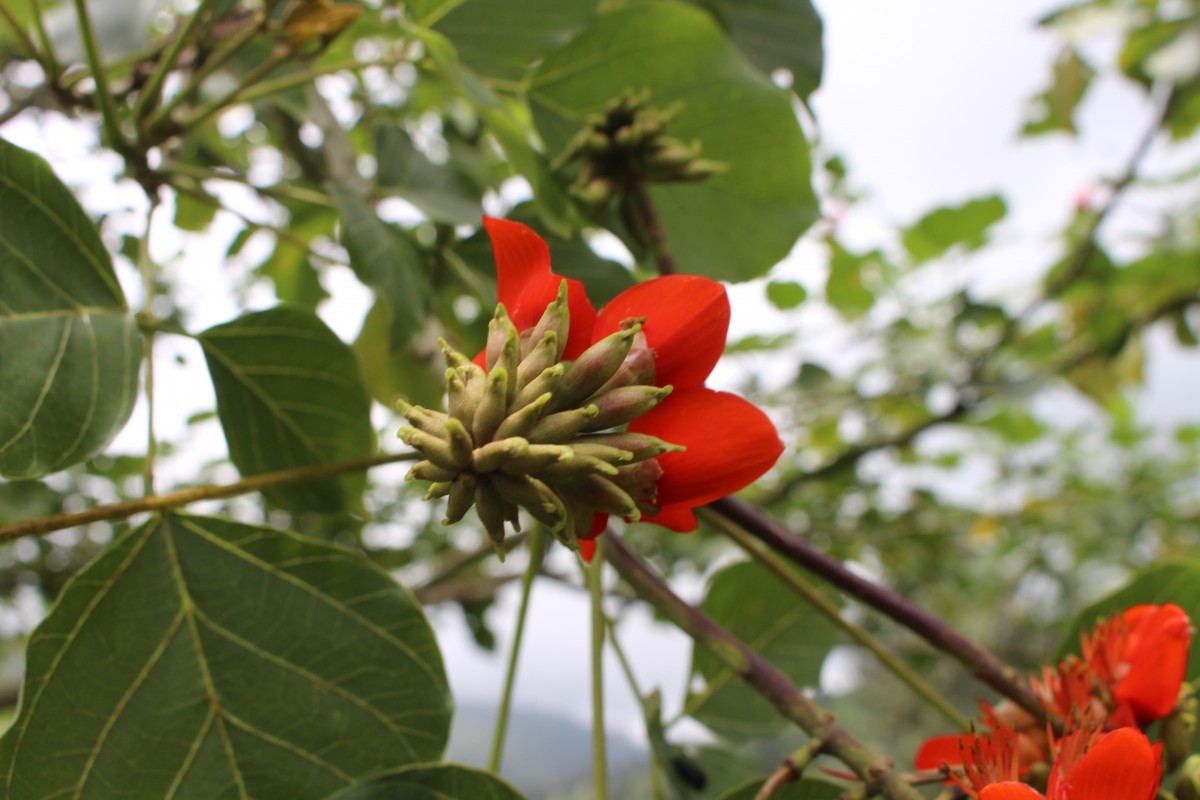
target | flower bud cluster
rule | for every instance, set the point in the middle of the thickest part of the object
(626, 140)
(536, 433)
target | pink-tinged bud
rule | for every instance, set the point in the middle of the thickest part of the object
(638, 368)
(500, 331)
(603, 495)
(593, 368)
(638, 445)
(640, 481)
(621, 406)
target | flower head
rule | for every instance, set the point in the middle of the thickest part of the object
(575, 415)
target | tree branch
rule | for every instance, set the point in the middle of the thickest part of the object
(874, 769)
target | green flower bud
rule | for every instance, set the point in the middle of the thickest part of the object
(538, 457)
(426, 470)
(623, 405)
(603, 495)
(532, 495)
(494, 455)
(521, 421)
(493, 511)
(639, 445)
(541, 356)
(434, 449)
(547, 382)
(461, 444)
(493, 406)
(461, 498)
(594, 367)
(556, 318)
(563, 425)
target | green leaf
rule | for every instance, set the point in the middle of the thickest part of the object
(441, 191)
(954, 226)
(775, 34)
(192, 213)
(739, 223)
(200, 657)
(844, 288)
(431, 782)
(1055, 107)
(722, 768)
(803, 789)
(786, 295)
(766, 614)
(289, 394)
(500, 40)
(69, 350)
(1015, 425)
(289, 266)
(387, 261)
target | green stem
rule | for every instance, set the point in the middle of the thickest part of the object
(151, 91)
(872, 767)
(91, 49)
(164, 502)
(50, 61)
(226, 51)
(593, 573)
(207, 110)
(656, 766)
(278, 191)
(148, 291)
(790, 770)
(537, 543)
(304, 77)
(756, 550)
(22, 37)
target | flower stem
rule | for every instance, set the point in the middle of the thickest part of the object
(150, 92)
(593, 574)
(758, 551)
(982, 664)
(537, 542)
(163, 502)
(644, 214)
(872, 767)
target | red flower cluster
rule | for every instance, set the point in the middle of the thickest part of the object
(729, 442)
(1128, 675)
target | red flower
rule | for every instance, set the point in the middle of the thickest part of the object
(1121, 765)
(729, 441)
(1141, 657)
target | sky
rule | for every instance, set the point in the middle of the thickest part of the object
(924, 99)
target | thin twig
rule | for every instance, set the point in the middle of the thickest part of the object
(874, 769)
(982, 664)
(163, 502)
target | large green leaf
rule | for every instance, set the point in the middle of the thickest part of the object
(200, 657)
(765, 613)
(289, 394)
(739, 223)
(431, 782)
(69, 350)
(500, 40)
(384, 259)
(775, 34)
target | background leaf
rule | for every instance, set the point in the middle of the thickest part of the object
(803, 789)
(442, 192)
(200, 657)
(431, 782)
(954, 226)
(739, 223)
(762, 611)
(775, 34)
(289, 394)
(71, 349)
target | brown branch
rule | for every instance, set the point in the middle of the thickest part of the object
(982, 664)
(874, 769)
(163, 502)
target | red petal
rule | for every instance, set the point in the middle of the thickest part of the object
(526, 285)
(587, 546)
(1010, 790)
(1121, 766)
(1157, 655)
(729, 444)
(687, 319)
(678, 517)
(941, 750)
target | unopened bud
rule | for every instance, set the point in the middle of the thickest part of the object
(491, 508)
(1187, 785)
(532, 495)
(461, 444)
(594, 367)
(639, 445)
(603, 495)
(426, 470)
(542, 355)
(610, 455)
(575, 467)
(494, 455)
(624, 405)
(461, 497)
(638, 368)
(436, 490)
(563, 425)
(493, 406)
(556, 318)
(538, 457)
(521, 421)
(424, 419)
(546, 382)
(1177, 731)
(596, 191)
(434, 448)
(640, 482)
(462, 401)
